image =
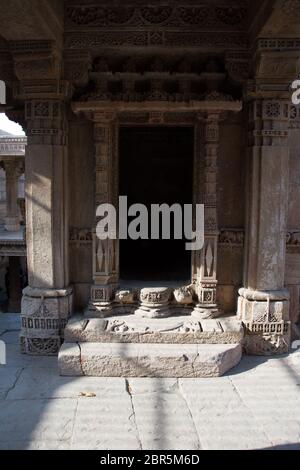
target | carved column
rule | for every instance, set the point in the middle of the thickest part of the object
(47, 301)
(206, 265)
(13, 170)
(264, 302)
(105, 252)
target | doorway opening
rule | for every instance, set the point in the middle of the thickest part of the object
(156, 167)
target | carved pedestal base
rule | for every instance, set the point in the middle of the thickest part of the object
(265, 315)
(44, 315)
(202, 312)
(101, 301)
(154, 302)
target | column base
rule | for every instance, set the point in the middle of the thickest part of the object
(265, 315)
(154, 302)
(202, 312)
(100, 304)
(44, 315)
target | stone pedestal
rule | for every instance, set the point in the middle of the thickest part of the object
(45, 314)
(154, 302)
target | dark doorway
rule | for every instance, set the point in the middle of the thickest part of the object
(156, 167)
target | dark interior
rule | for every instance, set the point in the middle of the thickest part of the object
(156, 166)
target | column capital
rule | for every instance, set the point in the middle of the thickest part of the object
(13, 166)
(269, 121)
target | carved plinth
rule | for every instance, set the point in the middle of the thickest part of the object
(207, 306)
(265, 315)
(44, 315)
(154, 302)
(101, 301)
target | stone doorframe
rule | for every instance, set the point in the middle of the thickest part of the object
(205, 118)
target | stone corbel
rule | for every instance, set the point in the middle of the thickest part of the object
(77, 65)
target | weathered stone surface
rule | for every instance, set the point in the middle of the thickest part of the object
(148, 360)
(47, 421)
(8, 378)
(38, 383)
(107, 423)
(164, 422)
(175, 329)
(69, 360)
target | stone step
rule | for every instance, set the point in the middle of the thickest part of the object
(175, 329)
(147, 360)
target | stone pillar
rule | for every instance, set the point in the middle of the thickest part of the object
(264, 302)
(105, 252)
(13, 171)
(15, 291)
(47, 301)
(206, 271)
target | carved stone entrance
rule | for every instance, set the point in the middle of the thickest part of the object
(205, 117)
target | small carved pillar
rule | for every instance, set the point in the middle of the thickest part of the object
(105, 252)
(13, 169)
(206, 268)
(264, 302)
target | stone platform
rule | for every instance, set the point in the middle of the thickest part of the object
(147, 360)
(175, 329)
(129, 346)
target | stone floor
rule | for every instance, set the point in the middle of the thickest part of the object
(255, 406)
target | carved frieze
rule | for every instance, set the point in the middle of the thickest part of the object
(191, 16)
(97, 26)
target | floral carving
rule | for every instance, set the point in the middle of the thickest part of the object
(230, 15)
(156, 15)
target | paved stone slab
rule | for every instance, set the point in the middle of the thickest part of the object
(148, 360)
(8, 378)
(10, 336)
(164, 422)
(36, 420)
(16, 359)
(42, 383)
(151, 385)
(10, 321)
(222, 420)
(104, 424)
(35, 445)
